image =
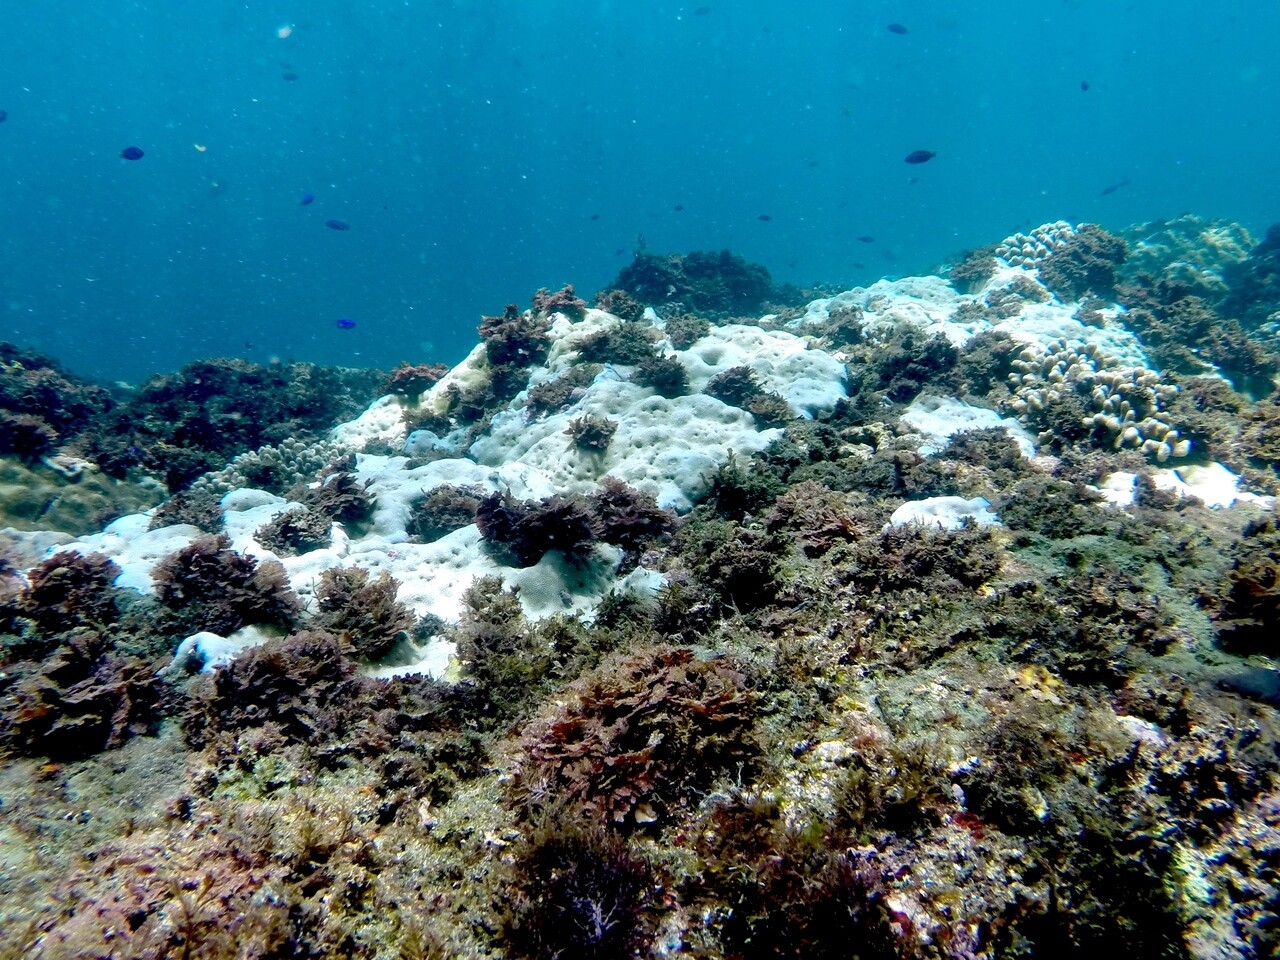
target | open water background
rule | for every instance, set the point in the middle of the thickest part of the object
(480, 150)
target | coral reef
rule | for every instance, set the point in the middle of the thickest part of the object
(819, 655)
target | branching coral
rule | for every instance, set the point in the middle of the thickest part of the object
(1070, 391)
(641, 736)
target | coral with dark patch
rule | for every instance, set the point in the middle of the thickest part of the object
(411, 381)
(82, 699)
(362, 609)
(292, 533)
(514, 339)
(522, 532)
(1086, 263)
(592, 433)
(666, 376)
(640, 737)
(209, 586)
(563, 301)
(441, 511)
(718, 283)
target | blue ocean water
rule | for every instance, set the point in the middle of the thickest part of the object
(480, 150)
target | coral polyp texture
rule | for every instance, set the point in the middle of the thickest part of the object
(927, 619)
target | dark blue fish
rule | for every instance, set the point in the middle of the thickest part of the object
(307, 199)
(337, 225)
(1112, 188)
(289, 76)
(132, 153)
(919, 156)
(345, 323)
(765, 217)
(896, 28)
(678, 207)
(701, 11)
(595, 216)
(4, 115)
(866, 238)
(1084, 86)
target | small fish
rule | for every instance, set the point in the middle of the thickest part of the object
(866, 238)
(678, 207)
(307, 199)
(4, 115)
(337, 225)
(1115, 186)
(859, 266)
(132, 153)
(764, 217)
(345, 323)
(701, 11)
(289, 76)
(1084, 86)
(919, 156)
(896, 28)
(595, 216)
